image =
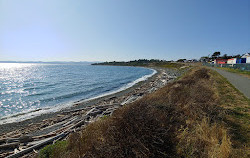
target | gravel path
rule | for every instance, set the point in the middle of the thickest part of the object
(242, 83)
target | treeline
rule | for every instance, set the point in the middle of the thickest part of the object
(140, 62)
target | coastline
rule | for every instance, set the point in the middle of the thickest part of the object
(30, 114)
(50, 123)
(74, 106)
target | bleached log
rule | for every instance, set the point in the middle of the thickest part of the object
(44, 136)
(9, 146)
(45, 142)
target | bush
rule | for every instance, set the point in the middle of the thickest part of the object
(52, 150)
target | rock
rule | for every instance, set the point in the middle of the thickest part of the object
(25, 139)
(141, 94)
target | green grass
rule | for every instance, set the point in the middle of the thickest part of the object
(171, 65)
(104, 117)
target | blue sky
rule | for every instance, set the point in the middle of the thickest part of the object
(107, 30)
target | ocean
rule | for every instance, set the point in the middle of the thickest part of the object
(31, 89)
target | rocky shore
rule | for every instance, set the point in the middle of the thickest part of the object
(27, 137)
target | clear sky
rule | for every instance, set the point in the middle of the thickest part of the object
(107, 30)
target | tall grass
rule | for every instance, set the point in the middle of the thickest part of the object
(237, 117)
(179, 120)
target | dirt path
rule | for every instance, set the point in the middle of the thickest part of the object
(242, 83)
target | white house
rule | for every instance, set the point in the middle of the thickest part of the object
(248, 59)
(247, 56)
(231, 61)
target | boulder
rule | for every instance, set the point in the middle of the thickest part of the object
(25, 139)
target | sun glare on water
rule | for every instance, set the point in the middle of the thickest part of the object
(13, 77)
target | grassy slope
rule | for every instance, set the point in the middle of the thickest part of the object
(237, 117)
(200, 115)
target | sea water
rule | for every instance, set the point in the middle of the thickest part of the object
(31, 89)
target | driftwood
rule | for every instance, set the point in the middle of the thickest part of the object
(45, 142)
(56, 135)
(56, 124)
(48, 140)
(44, 136)
(9, 140)
(5, 154)
(3, 140)
(76, 110)
(9, 146)
(70, 121)
(130, 100)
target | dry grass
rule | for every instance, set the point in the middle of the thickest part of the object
(182, 119)
(237, 118)
(211, 138)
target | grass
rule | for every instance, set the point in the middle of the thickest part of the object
(238, 71)
(171, 65)
(200, 115)
(237, 118)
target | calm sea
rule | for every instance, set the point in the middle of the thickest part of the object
(30, 89)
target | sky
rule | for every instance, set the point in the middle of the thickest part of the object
(122, 30)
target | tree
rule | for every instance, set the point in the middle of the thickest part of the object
(216, 55)
(181, 60)
(225, 56)
(204, 59)
(237, 56)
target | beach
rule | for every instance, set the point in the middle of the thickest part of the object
(18, 137)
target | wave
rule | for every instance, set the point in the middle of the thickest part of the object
(71, 94)
(31, 113)
(129, 85)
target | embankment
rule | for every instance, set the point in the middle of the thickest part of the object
(186, 118)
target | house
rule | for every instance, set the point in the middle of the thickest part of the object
(231, 61)
(248, 60)
(247, 57)
(240, 60)
(220, 61)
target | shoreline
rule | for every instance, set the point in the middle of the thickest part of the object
(75, 105)
(30, 114)
(53, 123)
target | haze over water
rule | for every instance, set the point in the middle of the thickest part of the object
(29, 89)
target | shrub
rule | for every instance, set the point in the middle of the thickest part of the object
(50, 151)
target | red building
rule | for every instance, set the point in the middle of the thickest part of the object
(221, 61)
